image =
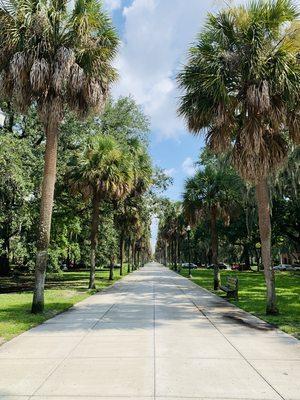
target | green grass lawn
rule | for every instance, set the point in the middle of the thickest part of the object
(62, 291)
(252, 295)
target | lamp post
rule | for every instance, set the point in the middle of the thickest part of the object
(188, 229)
(258, 247)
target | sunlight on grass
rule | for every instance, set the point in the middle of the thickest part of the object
(63, 291)
(252, 295)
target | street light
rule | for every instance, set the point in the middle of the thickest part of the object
(258, 247)
(188, 229)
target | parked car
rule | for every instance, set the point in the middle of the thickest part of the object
(64, 267)
(294, 267)
(114, 265)
(240, 267)
(186, 265)
(221, 266)
(282, 267)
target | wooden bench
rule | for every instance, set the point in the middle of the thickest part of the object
(231, 287)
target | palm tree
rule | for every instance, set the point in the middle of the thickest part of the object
(124, 220)
(242, 86)
(170, 231)
(54, 58)
(127, 215)
(211, 192)
(104, 172)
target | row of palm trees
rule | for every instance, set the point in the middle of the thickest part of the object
(219, 213)
(56, 58)
(213, 194)
(110, 171)
(170, 234)
(241, 89)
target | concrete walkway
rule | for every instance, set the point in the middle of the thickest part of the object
(153, 335)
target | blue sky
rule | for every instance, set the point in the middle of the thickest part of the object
(155, 36)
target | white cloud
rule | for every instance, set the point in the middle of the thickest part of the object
(188, 166)
(157, 34)
(170, 172)
(112, 4)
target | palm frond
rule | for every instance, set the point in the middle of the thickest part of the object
(241, 84)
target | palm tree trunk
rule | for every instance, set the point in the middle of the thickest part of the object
(122, 244)
(166, 253)
(128, 256)
(247, 256)
(4, 258)
(175, 253)
(263, 205)
(214, 246)
(94, 238)
(111, 270)
(133, 254)
(46, 208)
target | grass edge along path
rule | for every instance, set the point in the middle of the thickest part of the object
(63, 290)
(252, 295)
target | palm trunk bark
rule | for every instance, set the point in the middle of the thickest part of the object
(122, 244)
(94, 238)
(4, 258)
(133, 255)
(166, 253)
(128, 256)
(175, 253)
(46, 208)
(179, 251)
(263, 205)
(247, 256)
(111, 270)
(214, 246)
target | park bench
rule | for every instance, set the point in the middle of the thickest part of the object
(231, 287)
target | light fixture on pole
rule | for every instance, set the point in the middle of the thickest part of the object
(188, 229)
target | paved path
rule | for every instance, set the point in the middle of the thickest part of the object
(153, 335)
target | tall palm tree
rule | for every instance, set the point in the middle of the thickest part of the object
(54, 58)
(127, 215)
(172, 221)
(104, 172)
(211, 192)
(171, 229)
(125, 219)
(242, 84)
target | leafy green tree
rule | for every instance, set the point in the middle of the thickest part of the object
(69, 245)
(54, 58)
(15, 193)
(125, 120)
(242, 83)
(104, 172)
(286, 206)
(213, 191)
